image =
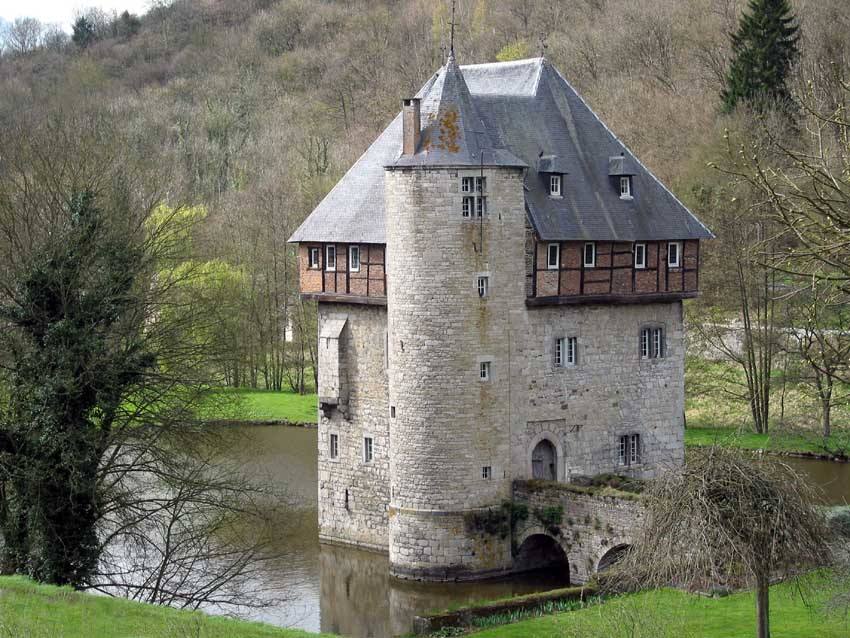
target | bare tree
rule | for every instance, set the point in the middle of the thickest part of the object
(23, 35)
(725, 519)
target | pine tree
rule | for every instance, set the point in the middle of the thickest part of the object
(764, 50)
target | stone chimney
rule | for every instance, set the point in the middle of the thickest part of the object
(410, 126)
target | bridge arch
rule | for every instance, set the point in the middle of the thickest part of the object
(539, 550)
(612, 557)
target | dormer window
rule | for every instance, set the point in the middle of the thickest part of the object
(626, 187)
(555, 186)
(474, 191)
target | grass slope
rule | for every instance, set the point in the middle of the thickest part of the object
(777, 441)
(30, 610)
(674, 614)
(261, 405)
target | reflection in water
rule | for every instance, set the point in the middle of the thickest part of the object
(348, 591)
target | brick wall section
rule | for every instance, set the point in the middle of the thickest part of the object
(369, 281)
(592, 525)
(362, 411)
(614, 272)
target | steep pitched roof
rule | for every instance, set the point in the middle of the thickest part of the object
(520, 111)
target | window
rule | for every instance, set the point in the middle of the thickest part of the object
(313, 261)
(674, 254)
(629, 449)
(487, 472)
(367, 449)
(553, 256)
(640, 256)
(554, 186)
(484, 371)
(330, 257)
(333, 447)
(354, 258)
(590, 255)
(625, 187)
(566, 351)
(483, 286)
(475, 196)
(392, 411)
(652, 343)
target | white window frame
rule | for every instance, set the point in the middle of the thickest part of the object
(592, 262)
(572, 351)
(640, 249)
(677, 263)
(645, 343)
(314, 263)
(330, 258)
(486, 472)
(629, 449)
(652, 342)
(368, 449)
(333, 445)
(555, 185)
(623, 450)
(484, 371)
(557, 264)
(353, 250)
(634, 449)
(474, 202)
(658, 343)
(625, 187)
(483, 285)
(560, 348)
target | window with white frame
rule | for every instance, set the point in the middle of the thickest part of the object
(330, 257)
(487, 472)
(652, 345)
(474, 203)
(553, 256)
(640, 256)
(333, 446)
(354, 258)
(368, 449)
(629, 449)
(484, 371)
(554, 186)
(626, 187)
(590, 254)
(566, 351)
(674, 254)
(483, 286)
(313, 261)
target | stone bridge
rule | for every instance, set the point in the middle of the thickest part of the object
(586, 529)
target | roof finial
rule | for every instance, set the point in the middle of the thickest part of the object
(541, 45)
(452, 40)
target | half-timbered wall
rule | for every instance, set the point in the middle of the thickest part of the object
(369, 281)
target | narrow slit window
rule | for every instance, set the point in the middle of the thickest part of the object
(484, 371)
(483, 286)
(674, 254)
(314, 257)
(330, 258)
(368, 450)
(333, 447)
(354, 258)
(553, 255)
(554, 185)
(590, 255)
(640, 256)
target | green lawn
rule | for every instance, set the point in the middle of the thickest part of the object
(775, 441)
(28, 610)
(261, 405)
(673, 614)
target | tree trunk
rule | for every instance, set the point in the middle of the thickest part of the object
(826, 408)
(763, 606)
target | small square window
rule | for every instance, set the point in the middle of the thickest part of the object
(590, 255)
(484, 371)
(640, 256)
(354, 258)
(674, 254)
(333, 447)
(566, 351)
(330, 258)
(625, 187)
(487, 472)
(652, 344)
(554, 186)
(553, 256)
(483, 286)
(367, 449)
(314, 257)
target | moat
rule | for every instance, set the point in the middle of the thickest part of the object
(347, 591)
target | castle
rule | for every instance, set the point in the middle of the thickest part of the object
(499, 284)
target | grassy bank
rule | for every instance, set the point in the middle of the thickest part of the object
(674, 614)
(29, 610)
(780, 441)
(261, 405)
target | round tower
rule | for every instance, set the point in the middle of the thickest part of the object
(455, 265)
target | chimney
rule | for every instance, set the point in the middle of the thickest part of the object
(410, 126)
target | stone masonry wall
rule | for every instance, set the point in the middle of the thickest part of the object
(360, 517)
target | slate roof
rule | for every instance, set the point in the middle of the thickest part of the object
(520, 112)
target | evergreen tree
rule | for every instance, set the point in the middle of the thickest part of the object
(764, 50)
(84, 32)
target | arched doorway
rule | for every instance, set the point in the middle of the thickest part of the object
(544, 461)
(612, 557)
(540, 551)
